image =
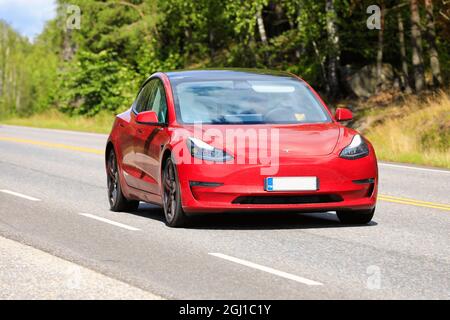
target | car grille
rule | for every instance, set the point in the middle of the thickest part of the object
(319, 198)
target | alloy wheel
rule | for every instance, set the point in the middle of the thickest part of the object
(113, 178)
(170, 191)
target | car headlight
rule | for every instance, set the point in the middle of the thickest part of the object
(201, 150)
(358, 148)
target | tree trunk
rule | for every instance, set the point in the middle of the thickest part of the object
(417, 51)
(431, 39)
(401, 40)
(261, 28)
(211, 43)
(68, 47)
(293, 25)
(322, 67)
(333, 57)
(380, 50)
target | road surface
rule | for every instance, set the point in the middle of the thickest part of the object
(53, 198)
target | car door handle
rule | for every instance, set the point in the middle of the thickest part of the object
(140, 131)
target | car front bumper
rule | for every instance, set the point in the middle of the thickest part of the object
(343, 185)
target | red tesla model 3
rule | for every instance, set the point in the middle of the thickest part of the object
(211, 141)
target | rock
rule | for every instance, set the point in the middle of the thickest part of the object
(363, 83)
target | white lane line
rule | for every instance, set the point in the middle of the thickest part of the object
(267, 269)
(413, 168)
(114, 223)
(20, 195)
(81, 133)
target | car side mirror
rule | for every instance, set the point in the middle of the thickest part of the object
(343, 114)
(147, 117)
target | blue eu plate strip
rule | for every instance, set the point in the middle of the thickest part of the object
(269, 184)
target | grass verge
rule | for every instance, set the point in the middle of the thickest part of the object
(53, 119)
(415, 130)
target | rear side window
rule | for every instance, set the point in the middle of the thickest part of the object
(143, 97)
(157, 101)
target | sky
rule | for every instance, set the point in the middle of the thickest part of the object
(28, 17)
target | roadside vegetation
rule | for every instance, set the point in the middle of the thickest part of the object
(54, 119)
(412, 130)
(81, 70)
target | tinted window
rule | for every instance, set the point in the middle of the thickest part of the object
(157, 102)
(143, 97)
(242, 101)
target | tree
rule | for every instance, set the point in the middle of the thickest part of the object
(122, 42)
(430, 34)
(26, 73)
(334, 53)
(401, 41)
(380, 47)
(416, 44)
(97, 82)
(261, 28)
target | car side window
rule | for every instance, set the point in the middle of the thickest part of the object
(143, 97)
(157, 101)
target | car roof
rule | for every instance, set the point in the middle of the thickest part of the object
(235, 73)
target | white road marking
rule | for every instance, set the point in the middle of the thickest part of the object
(81, 133)
(114, 223)
(20, 195)
(412, 168)
(267, 269)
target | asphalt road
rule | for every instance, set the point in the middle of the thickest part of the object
(53, 198)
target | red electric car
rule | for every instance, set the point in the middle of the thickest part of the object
(211, 141)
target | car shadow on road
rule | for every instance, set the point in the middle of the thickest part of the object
(253, 220)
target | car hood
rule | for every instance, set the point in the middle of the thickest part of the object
(305, 140)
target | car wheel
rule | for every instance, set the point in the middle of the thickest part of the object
(173, 210)
(356, 217)
(117, 200)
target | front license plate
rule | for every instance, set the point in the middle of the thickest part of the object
(291, 184)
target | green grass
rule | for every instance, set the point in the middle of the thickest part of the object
(53, 119)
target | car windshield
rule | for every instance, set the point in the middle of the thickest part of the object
(240, 101)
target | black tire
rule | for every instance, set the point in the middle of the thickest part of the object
(356, 217)
(117, 201)
(173, 209)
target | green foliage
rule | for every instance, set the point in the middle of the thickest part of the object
(27, 73)
(42, 76)
(96, 82)
(121, 42)
(242, 15)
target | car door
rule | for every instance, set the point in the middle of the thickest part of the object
(150, 140)
(131, 173)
